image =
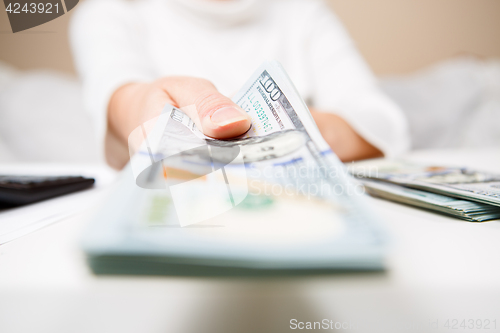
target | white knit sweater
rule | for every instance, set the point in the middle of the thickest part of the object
(117, 42)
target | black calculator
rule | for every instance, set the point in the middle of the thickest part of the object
(22, 190)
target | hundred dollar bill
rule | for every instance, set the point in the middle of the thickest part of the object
(462, 183)
(463, 209)
(275, 198)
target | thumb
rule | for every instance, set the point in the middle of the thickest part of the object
(213, 113)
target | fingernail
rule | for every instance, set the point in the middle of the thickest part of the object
(228, 115)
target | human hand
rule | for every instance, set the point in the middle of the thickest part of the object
(347, 144)
(133, 104)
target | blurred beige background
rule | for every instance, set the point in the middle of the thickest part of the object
(395, 36)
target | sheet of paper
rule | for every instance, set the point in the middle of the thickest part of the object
(19, 221)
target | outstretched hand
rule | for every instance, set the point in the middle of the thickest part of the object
(213, 113)
(134, 104)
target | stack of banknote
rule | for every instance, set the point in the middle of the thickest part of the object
(460, 192)
(274, 200)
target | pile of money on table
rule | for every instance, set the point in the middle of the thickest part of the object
(276, 200)
(460, 192)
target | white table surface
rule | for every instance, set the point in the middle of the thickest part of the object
(439, 268)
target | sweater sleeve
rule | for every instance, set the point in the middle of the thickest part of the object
(106, 45)
(343, 84)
